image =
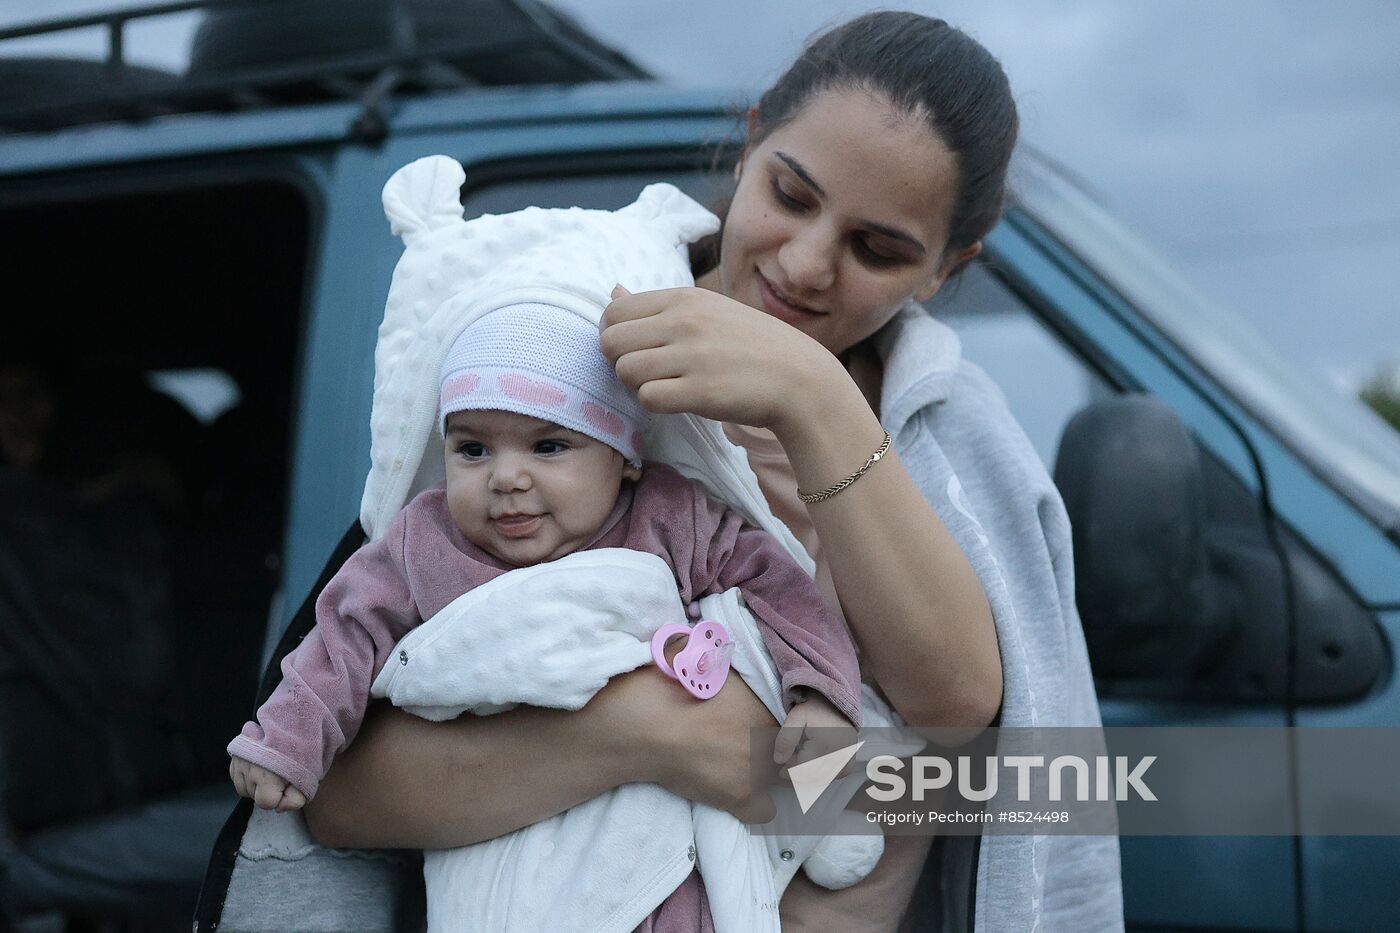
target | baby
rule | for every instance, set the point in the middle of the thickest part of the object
(542, 460)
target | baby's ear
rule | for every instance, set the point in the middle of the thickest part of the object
(631, 472)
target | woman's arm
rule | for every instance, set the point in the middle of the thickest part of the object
(907, 590)
(406, 782)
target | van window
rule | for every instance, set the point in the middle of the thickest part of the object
(146, 378)
(1044, 381)
(206, 393)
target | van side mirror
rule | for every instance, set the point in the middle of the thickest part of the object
(1132, 482)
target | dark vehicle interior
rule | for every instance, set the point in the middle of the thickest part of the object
(146, 388)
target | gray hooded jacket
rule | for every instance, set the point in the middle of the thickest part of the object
(957, 438)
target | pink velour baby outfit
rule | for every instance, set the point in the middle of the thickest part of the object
(424, 562)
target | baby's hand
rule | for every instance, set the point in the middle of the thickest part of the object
(267, 789)
(832, 730)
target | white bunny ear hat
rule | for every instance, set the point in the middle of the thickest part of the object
(453, 271)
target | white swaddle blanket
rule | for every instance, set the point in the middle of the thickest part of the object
(552, 635)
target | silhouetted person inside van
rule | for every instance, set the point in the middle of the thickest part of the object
(92, 484)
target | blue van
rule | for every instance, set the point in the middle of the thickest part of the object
(196, 267)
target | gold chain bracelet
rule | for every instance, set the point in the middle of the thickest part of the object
(833, 489)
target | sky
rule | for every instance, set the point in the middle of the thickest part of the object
(1255, 143)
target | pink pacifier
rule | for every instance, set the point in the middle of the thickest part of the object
(703, 664)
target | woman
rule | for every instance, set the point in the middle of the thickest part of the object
(872, 170)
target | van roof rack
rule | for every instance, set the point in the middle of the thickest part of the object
(380, 54)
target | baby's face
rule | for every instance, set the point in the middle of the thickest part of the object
(526, 490)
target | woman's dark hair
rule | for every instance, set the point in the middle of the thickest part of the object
(924, 67)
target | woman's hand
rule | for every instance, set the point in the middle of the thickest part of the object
(694, 350)
(698, 749)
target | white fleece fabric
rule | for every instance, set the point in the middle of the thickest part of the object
(552, 635)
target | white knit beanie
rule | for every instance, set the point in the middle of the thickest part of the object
(542, 361)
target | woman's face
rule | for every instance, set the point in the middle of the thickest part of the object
(839, 216)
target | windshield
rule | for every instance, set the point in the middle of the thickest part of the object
(1340, 437)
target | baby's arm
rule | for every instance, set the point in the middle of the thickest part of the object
(317, 708)
(716, 549)
(809, 642)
